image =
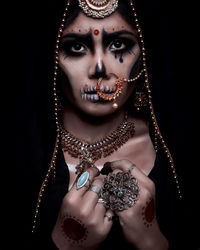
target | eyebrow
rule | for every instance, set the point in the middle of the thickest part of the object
(105, 35)
(87, 36)
(117, 33)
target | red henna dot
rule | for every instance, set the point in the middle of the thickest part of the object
(96, 32)
(73, 229)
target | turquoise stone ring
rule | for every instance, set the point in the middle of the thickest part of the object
(82, 180)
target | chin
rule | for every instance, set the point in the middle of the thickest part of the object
(98, 109)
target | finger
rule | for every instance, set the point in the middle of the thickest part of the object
(92, 195)
(87, 178)
(125, 165)
(100, 210)
(108, 218)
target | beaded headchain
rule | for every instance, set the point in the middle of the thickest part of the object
(101, 9)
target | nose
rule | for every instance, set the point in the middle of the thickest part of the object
(99, 70)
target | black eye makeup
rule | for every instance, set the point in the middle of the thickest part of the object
(75, 44)
(73, 48)
(118, 43)
(122, 45)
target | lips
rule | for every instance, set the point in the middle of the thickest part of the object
(90, 93)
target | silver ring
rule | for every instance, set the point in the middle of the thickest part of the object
(110, 217)
(96, 189)
(100, 200)
(120, 191)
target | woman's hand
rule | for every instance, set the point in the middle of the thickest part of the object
(139, 222)
(82, 223)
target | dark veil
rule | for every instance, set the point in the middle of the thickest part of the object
(34, 127)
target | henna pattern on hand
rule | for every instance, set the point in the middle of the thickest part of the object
(73, 229)
(148, 213)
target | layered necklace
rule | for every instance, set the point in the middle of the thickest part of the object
(89, 153)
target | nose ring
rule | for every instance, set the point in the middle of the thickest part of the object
(110, 97)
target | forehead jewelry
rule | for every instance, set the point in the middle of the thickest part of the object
(119, 87)
(98, 8)
(96, 32)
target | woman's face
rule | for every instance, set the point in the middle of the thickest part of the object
(93, 48)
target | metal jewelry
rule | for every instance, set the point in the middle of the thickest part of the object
(89, 153)
(119, 87)
(100, 200)
(96, 189)
(82, 180)
(110, 217)
(140, 100)
(98, 8)
(120, 191)
(109, 97)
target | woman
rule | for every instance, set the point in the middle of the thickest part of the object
(111, 181)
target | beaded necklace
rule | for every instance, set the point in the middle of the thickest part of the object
(89, 153)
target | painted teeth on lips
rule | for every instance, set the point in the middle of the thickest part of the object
(90, 97)
(92, 90)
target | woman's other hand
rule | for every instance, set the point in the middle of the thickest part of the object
(139, 222)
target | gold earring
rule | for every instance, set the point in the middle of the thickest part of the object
(140, 100)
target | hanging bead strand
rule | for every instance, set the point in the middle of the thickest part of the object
(52, 169)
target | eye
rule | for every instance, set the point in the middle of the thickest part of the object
(77, 47)
(117, 45)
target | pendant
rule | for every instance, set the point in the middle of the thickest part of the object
(83, 165)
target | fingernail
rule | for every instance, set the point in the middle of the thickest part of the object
(106, 168)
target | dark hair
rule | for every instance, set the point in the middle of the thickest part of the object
(125, 12)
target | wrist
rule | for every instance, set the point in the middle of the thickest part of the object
(156, 242)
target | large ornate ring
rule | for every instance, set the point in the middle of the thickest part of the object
(120, 191)
(83, 180)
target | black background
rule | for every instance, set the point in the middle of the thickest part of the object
(170, 35)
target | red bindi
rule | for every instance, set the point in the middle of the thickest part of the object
(96, 32)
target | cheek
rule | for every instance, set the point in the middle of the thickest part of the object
(73, 69)
(122, 65)
(75, 72)
(122, 69)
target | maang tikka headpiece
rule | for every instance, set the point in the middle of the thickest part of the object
(98, 8)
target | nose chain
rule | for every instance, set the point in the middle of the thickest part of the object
(89, 153)
(119, 87)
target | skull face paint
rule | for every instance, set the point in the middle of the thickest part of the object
(91, 49)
